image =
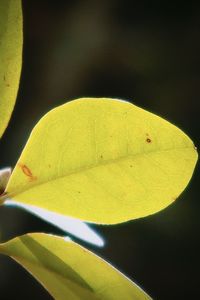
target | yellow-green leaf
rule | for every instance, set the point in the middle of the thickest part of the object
(69, 271)
(68, 224)
(104, 161)
(10, 57)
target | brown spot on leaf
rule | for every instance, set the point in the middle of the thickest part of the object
(148, 140)
(101, 156)
(131, 166)
(27, 171)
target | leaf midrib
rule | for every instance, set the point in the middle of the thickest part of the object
(83, 169)
(18, 258)
(4, 251)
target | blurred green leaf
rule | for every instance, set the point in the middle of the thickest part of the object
(10, 57)
(104, 161)
(69, 271)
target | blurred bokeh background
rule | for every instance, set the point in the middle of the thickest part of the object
(145, 52)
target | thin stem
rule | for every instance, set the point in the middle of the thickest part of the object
(3, 198)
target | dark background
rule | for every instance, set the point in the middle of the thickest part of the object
(146, 52)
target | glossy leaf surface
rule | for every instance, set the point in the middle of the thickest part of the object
(69, 271)
(103, 161)
(10, 57)
(70, 225)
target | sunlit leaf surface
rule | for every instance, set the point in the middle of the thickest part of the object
(10, 57)
(68, 224)
(104, 161)
(69, 271)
